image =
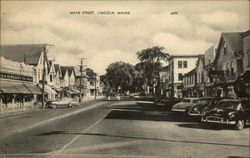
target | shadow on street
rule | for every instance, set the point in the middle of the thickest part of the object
(140, 138)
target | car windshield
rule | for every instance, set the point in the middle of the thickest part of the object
(228, 105)
(203, 101)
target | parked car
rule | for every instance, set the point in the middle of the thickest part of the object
(61, 103)
(230, 112)
(185, 105)
(203, 105)
(167, 102)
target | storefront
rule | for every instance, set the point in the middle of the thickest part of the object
(16, 84)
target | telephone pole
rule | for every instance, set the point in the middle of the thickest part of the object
(81, 70)
(95, 86)
(44, 73)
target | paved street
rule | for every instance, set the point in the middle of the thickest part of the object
(116, 129)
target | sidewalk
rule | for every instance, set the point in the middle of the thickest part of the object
(32, 107)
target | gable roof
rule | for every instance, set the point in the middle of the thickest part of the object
(202, 59)
(27, 53)
(233, 39)
(70, 70)
(58, 69)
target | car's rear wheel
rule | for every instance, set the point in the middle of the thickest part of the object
(240, 124)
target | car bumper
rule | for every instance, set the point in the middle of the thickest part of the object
(194, 114)
(179, 110)
(227, 122)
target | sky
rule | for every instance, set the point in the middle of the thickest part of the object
(181, 27)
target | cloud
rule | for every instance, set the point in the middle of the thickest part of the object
(176, 45)
(223, 19)
(106, 39)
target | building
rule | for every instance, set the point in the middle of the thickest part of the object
(163, 80)
(68, 81)
(228, 59)
(189, 83)
(246, 60)
(95, 86)
(17, 87)
(34, 55)
(85, 83)
(200, 77)
(209, 66)
(179, 65)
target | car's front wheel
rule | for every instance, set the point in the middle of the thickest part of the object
(240, 124)
(70, 105)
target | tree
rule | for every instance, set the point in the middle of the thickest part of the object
(120, 75)
(150, 64)
(90, 72)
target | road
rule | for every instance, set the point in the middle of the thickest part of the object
(116, 130)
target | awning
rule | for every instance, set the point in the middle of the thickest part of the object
(33, 88)
(48, 89)
(14, 87)
(7, 87)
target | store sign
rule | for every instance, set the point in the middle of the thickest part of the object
(216, 74)
(15, 77)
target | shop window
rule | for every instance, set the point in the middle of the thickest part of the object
(179, 64)
(180, 77)
(185, 64)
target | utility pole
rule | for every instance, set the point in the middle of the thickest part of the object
(81, 70)
(80, 94)
(95, 86)
(43, 79)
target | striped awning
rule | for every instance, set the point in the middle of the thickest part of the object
(14, 87)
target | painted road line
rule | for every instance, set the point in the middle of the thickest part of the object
(53, 119)
(74, 139)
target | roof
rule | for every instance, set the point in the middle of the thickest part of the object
(202, 59)
(27, 53)
(233, 40)
(78, 73)
(70, 70)
(191, 72)
(58, 69)
(184, 56)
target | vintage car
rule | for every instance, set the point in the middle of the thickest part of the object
(203, 104)
(185, 105)
(230, 112)
(167, 102)
(61, 103)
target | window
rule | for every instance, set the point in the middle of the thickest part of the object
(180, 77)
(179, 64)
(185, 64)
(51, 78)
(227, 69)
(224, 48)
(232, 68)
